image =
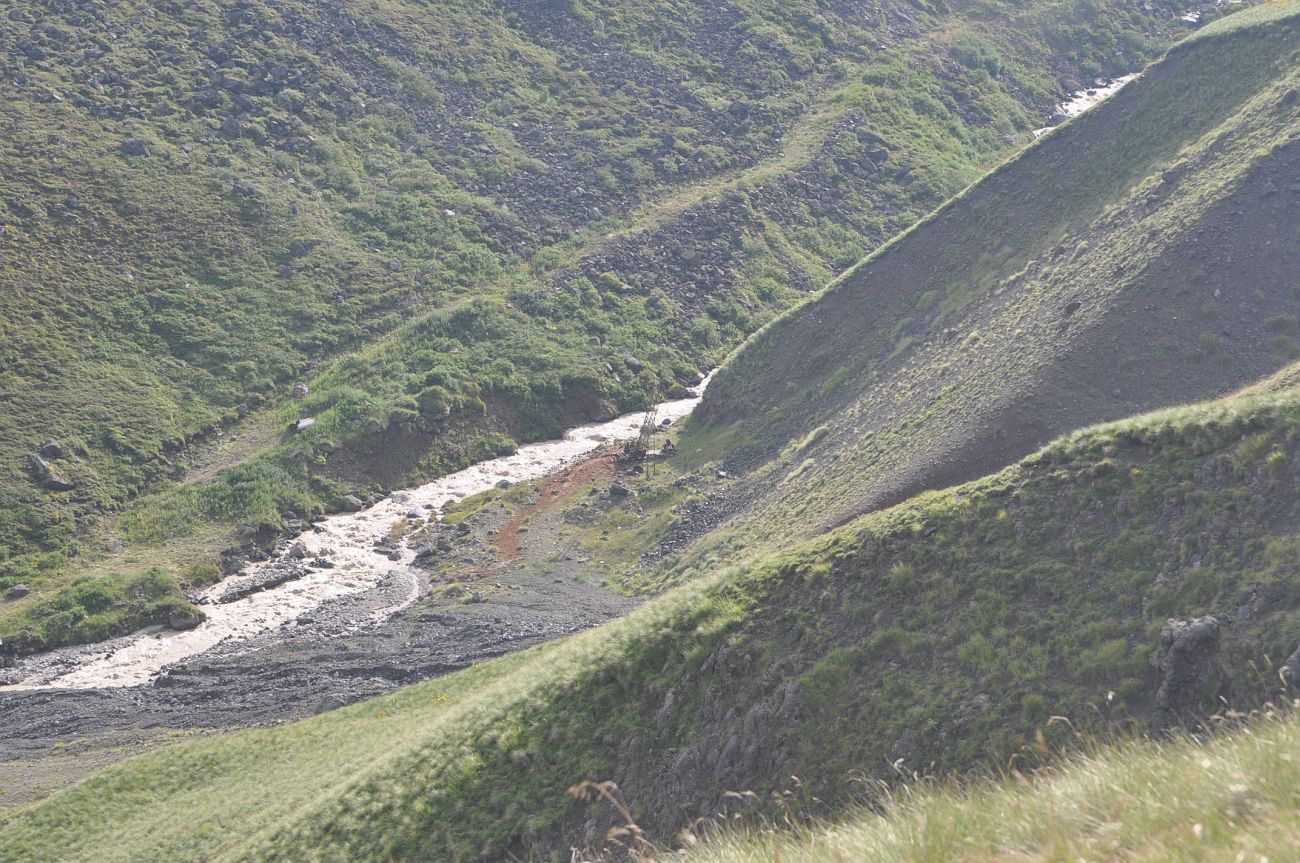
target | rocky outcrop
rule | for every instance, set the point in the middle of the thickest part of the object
(1188, 661)
(48, 477)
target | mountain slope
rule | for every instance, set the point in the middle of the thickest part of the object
(1130, 576)
(1140, 256)
(515, 216)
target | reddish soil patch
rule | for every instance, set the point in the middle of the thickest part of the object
(554, 490)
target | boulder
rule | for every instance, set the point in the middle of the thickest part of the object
(55, 482)
(352, 503)
(304, 424)
(1290, 670)
(135, 147)
(1188, 661)
(298, 551)
(300, 390)
(52, 450)
(619, 490)
(47, 476)
(18, 591)
(180, 620)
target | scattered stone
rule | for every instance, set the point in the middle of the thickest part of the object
(298, 551)
(18, 591)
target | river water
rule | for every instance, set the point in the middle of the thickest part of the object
(346, 540)
(1086, 99)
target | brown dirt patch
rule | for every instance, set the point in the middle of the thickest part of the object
(554, 490)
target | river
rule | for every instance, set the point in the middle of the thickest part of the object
(348, 541)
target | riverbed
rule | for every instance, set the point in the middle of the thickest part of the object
(344, 561)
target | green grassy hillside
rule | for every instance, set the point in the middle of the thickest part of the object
(1140, 256)
(462, 224)
(939, 636)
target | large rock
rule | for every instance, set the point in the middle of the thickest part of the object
(52, 450)
(352, 503)
(135, 147)
(18, 591)
(1188, 661)
(47, 476)
(1290, 670)
(180, 620)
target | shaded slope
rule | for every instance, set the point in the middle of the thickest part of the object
(942, 632)
(1142, 255)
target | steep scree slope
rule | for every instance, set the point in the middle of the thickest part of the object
(1140, 256)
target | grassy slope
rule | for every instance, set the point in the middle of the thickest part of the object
(943, 632)
(1230, 798)
(1088, 278)
(301, 160)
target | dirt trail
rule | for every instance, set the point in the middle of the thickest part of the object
(555, 490)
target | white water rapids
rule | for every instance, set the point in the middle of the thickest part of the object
(1085, 100)
(347, 540)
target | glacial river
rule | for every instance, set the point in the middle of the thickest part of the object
(346, 540)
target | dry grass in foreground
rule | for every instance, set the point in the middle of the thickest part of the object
(1234, 797)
